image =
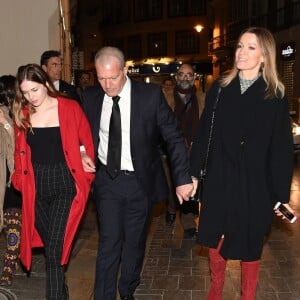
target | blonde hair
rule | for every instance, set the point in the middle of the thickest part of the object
(265, 39)
(35, 73)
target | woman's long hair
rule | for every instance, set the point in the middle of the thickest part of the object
(265, 39)
(30, 72)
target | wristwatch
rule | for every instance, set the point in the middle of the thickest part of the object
(7, 126)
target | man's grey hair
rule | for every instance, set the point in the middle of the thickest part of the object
(106, 54)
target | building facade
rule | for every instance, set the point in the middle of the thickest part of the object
(282, 17)
(155, 35)
(158, 35)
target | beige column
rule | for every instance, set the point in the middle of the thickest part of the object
(65, 40)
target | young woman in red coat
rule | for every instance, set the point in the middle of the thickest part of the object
(49, 172)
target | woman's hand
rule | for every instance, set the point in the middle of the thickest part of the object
(87, 163)
(289, 209)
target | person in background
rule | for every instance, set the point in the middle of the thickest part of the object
(133, 115)
(168, 90)
(49, 172)
(84, 82)
(51, 62)
(188, 105)
(250, 163)
(10, 199)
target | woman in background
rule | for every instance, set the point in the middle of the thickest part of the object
(10, 199)
(49, 172)
(250, 162)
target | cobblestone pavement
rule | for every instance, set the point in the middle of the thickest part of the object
(176, 268)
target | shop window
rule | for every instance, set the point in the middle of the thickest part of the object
(288, 77)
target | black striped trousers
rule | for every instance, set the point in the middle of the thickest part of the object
(55, 190)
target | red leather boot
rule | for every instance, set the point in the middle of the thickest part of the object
(250, 272)
(217, 265)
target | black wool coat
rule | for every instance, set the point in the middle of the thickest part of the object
(249, 169)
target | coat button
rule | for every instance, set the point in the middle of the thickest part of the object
(73, 170)
(25, 172)
(22, 152)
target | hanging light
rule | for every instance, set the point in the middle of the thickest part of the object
(198, 28)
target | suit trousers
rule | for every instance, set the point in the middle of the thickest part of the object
(55, 190)
(124, 213)
(188, 210)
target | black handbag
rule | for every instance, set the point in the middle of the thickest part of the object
(201, 177)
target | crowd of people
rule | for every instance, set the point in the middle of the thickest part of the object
(59, 145)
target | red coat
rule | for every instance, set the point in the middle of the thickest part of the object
(75, 131)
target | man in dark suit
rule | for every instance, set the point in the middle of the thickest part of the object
(124, 202)
(51, 63)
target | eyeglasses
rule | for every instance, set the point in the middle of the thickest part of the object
(182, 75)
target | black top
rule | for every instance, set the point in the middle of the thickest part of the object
(46, 145)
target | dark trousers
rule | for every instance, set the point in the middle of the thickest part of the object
(188, 210)
(124, 212)
(55, 190)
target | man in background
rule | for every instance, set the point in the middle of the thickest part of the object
(84, 82)
(51, 62)
(168, 85)
(188, 104)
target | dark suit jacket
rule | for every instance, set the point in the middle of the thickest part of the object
(151, 118)
(68, 90)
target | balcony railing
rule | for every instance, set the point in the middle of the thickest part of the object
(282, 19)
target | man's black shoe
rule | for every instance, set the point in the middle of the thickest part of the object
(129, 297)
(189, 233)
(170, 218)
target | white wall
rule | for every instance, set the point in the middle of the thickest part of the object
(28, 28)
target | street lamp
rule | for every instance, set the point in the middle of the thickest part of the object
(198, 28)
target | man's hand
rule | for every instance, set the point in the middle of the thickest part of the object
(87, 163)
(184, 192)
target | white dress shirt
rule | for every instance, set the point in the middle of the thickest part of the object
(56, 84)
(125, 109)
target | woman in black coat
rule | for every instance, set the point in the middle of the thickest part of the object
(250, 161)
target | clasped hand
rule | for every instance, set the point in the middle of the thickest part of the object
(87, 163)
(184, 192)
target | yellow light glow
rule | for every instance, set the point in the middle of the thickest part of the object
(198, 27)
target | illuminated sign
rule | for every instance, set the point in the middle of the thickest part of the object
(288, 51)
(204, 67)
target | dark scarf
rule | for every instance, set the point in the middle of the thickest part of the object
(187, 112)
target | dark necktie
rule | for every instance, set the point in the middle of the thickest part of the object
(115, 140)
